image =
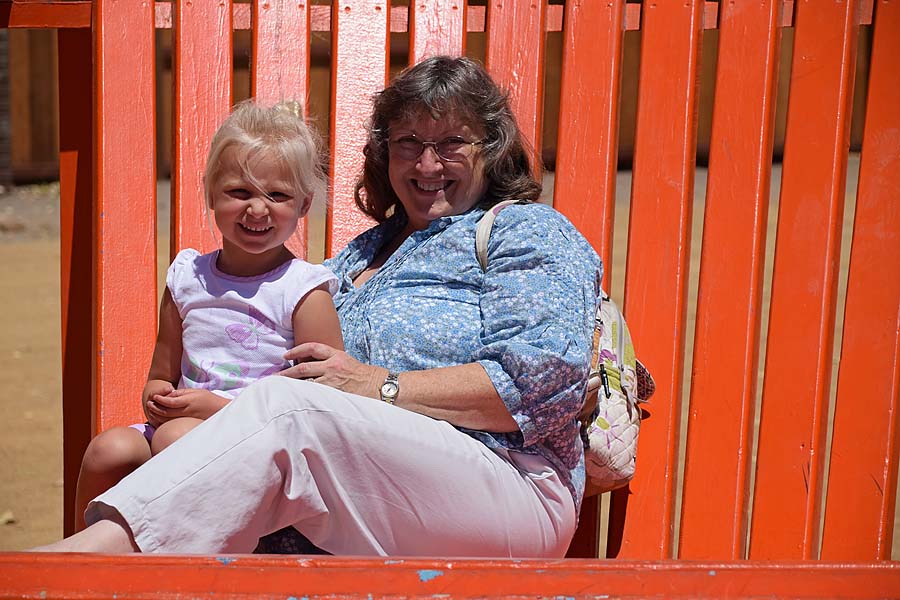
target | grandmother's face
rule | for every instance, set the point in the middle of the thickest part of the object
(429, 185)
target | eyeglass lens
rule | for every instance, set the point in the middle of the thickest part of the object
(453, 149)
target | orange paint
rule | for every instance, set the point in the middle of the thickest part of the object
(790, 463)
(359, 47)
(515, 59)
(202, 74)
(45, 15)
(54, 576)
(859, 512)
(436, 27)
(586, 155)
(720, 423)
(124, 211)
(662, 197)
(108, 272)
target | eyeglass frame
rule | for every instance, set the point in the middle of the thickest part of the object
(434, 146)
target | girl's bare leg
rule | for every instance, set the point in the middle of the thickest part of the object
(109, 457)
(106, 536)
(170, 431)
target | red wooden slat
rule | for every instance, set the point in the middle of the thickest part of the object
(618, 510)
(632, 17)
(202, 74)
(807, 252)
(164, 15)
(865, 449)
(22, 15)
(280, 66)
(586, 160)
(75, 226)
(360, 50)
(866, 10)
(476, 17)
(711, 15)
(658, 255)
(321, 16)
(280, 51)
(52, 576)
(45, 14)
(553, 17)
(436, 27)
(586, 541)
(242, 15)
(723, 391)
(515, 59)
(124, 209)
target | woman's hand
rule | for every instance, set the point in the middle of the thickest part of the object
(200, 404)
(335, 368)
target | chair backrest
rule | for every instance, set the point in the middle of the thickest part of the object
(765, 474)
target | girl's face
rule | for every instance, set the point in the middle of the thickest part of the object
(257, 213)
(431, 186)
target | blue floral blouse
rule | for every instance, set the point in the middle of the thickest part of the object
(527, 320)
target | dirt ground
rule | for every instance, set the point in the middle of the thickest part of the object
(31, 501)
(30, 410)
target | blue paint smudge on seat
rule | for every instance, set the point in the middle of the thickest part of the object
(429, 574)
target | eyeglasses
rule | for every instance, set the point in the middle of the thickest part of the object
(451, 149)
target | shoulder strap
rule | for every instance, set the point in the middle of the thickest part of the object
(483, 232)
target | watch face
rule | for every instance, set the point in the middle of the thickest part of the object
(389, 389)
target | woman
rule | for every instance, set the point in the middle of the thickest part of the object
(448, 426)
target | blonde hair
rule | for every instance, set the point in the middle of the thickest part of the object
(280, 129)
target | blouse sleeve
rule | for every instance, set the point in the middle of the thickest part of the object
(538, 301)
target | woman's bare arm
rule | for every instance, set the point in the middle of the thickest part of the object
(462, 395)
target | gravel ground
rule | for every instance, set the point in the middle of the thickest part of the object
(29, 212)
(30, 408)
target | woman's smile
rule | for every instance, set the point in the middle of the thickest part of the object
(433, 186)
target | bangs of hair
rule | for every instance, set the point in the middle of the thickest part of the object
(279, 129)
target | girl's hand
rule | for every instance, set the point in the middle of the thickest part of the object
(153, 388)
(335, 368)
(200, 404)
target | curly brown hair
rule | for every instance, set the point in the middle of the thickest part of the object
(439, 86)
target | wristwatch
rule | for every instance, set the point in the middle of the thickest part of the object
(390, 388)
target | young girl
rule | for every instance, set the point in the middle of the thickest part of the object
(227, 318)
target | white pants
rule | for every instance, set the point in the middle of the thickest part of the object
(356, 476)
